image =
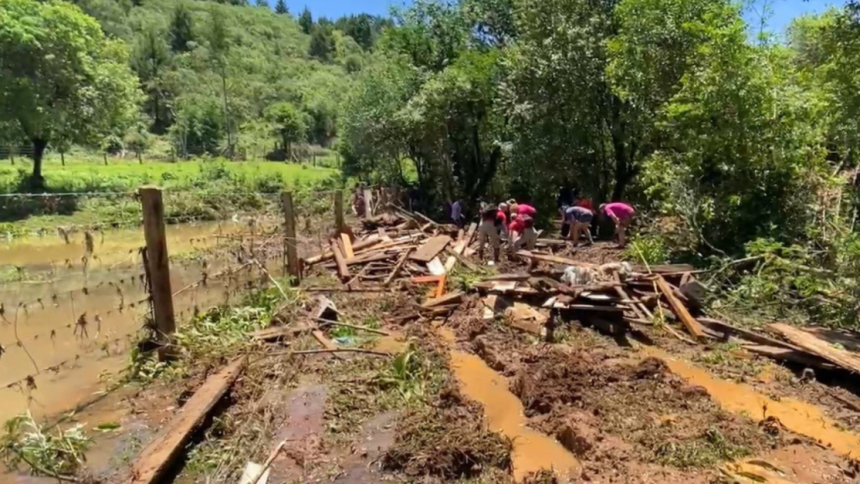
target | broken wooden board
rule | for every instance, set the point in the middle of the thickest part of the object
(383, 235)
(818, 347)
(784, 354)
(662, 268)
(397, 268)
(451, 298)
(553, 259)
(251, 471)
(325, 342)
(278, 333)
(347, 246)
(159, 456)
(433, 247)
(342, 269)
(689, 322)
(436, 268)
(725, 328)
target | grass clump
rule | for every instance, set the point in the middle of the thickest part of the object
(708, 450)
(58, 455)
(447, 439)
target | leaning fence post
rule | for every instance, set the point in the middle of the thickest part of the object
(368, 203)
(290, 242)
(158, 263)
(338, 211)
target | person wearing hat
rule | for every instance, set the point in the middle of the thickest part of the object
(621, 214)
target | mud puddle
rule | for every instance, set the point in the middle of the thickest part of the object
(532, 450)
(796, 416)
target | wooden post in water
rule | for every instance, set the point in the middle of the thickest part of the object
(290, 243)
(158, 264)
(338, 211)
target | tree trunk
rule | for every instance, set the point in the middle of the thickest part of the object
(139, 158)
(226, 113)
(37, 181)
(63, 158)
(104, 155)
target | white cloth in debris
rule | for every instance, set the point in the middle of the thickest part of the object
(578, 276)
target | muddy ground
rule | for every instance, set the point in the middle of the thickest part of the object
(615, 406)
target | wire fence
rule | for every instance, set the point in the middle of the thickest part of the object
(73, 299)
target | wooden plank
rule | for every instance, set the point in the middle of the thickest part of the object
(440, 287)
(277, 333)
(383, 235)
(508, 277)
(662, 268)
(158, 263)
(725, 328)
(450, 264)
(785, 354)
(426, 279)
(347, 246)
(397, 268)
(342, 269)
(436, 268)
(454, 297)
(818, 347)
(431, 248)
(160, 455)
(553, 259)
(325, 342)
(689, 322)
(370, 257)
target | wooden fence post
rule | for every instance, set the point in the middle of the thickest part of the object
(338, 211)
(159, 266)
(290, 242)
(368, 203)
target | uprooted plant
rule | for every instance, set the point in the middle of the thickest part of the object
(58, 454)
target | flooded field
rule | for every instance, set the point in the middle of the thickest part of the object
(71, 305)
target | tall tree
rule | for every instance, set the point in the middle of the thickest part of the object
(181, 28)
(322, 42)
(288, 123)
(306, 21)
(61, 76)
(263, 3)
(281, 8)
(150, 59)
(219, 46)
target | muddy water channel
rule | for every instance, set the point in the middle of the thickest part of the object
(72, 306)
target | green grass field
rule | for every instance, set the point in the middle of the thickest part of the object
(200, 190)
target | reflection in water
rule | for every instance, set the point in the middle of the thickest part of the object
(75, 326)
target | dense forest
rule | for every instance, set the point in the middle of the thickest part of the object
(187, 77)
(733, 144)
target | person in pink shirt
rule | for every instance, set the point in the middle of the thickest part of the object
(621, 214)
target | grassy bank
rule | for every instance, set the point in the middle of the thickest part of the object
(89, 194)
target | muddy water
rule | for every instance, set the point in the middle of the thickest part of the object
(39, 328)
(799, 417)
(532, 450)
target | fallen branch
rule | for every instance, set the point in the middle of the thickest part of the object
(333, 350)
(268, 462)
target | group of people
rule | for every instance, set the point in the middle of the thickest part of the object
(515, 222)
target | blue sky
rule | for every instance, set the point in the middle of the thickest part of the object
(783, 11)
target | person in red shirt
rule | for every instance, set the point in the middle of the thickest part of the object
(585, 203)
(502, 219)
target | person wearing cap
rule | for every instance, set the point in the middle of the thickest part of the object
(489, 232)
(621, 214)
(578, 218)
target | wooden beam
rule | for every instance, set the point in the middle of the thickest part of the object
(784, 354)
(454, 297)
(721, 327)
(553, 259)
(160, 455)
(342, 269)
(812, 344)
(689, 322)
(347, 246)
(397, 268)
(431, 248)
(158, 262)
